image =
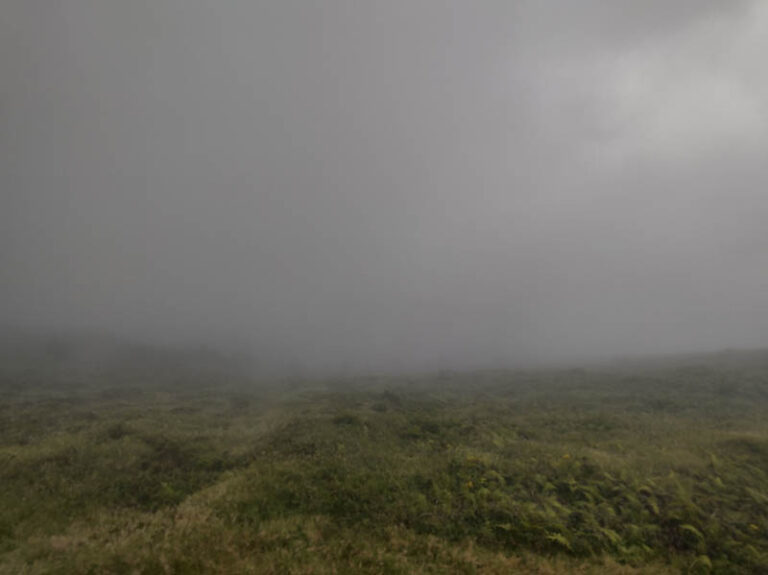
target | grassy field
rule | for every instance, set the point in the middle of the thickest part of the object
(179, 467)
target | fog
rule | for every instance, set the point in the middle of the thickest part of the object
(388, 185)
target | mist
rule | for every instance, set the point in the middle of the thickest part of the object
(387, 185)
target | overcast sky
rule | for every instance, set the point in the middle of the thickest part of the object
(403, 184)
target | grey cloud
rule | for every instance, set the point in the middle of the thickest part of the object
(387, 184)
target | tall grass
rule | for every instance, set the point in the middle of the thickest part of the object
(650, 469)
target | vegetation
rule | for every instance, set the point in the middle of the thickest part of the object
(658, 468)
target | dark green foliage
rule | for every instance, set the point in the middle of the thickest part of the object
(649, 467)
(346, 419)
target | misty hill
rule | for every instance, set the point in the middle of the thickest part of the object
(91, 351)
(122, 458)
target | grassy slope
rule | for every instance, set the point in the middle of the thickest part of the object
(642, 470)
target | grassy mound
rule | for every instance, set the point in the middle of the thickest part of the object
(651, 469)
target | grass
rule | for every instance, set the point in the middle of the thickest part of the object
(635, 469)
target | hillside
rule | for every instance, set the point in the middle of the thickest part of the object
(649, 467)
